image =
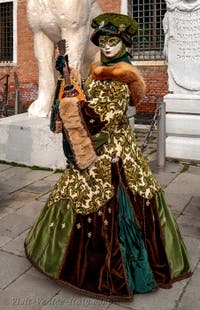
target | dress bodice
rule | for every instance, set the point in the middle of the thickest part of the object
(109, 99)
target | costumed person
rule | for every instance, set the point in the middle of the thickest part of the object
(105, 229)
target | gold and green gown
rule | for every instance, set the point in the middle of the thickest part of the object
(106, 230)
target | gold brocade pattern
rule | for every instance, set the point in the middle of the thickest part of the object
(89, 189)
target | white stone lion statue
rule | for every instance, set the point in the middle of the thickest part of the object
(51, 21)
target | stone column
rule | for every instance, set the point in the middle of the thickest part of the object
(182, 49)
(124, 7)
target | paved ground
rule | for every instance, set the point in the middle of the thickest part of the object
(23, 192)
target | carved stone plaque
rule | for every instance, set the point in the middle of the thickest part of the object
(182, 46)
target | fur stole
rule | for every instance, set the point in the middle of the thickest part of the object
(122, 72)
(77, 134)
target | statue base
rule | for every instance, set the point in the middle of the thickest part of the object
(182, 126)
(29, 141)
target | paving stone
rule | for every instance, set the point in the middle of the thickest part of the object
(4, 167)
(164, 179)
(8, 302)
(196, 200)
(3, 194)
(17, 177)
(30, 291)
(191, 297)
(150, 155)
(44, 197)
(35, 175)
(12, 267)
(194, 170)
(165, 175)
(177, 202)
(193, 208)
(31, 209)
(68, 299)
(175, 214)
(182, 184)
(16, 246)
(18, 199)
(13, 224)
(193, 249)
(163, 299)
(40, 187)
(5, 211)
(13, 171)
(25, 173)
(53, 177)
(189, 225)
(14, 184)
(169, 167)
(4, 240)
(4, 301)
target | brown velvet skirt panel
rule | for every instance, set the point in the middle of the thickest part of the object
(93, 260)
(154, 242)
(147, 217)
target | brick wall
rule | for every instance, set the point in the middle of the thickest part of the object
(156, 81)
(27, 70)
(110, 5)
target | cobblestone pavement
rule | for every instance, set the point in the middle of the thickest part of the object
(23, 192)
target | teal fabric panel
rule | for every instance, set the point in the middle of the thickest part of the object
(138, 270)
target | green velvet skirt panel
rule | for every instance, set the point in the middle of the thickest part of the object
(174, 244)
(47, 240)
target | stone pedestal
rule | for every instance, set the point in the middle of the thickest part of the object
(182, 49)
(29, 141)
(183, 126)
(131, 116)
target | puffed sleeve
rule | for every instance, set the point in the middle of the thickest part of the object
(80, 124)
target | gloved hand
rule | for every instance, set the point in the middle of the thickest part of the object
(60, 63)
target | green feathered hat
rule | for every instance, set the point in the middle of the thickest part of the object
(113, 24)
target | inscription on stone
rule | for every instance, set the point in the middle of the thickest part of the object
(187, 36)
(182, 48)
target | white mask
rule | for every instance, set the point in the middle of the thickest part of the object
(110, 47)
